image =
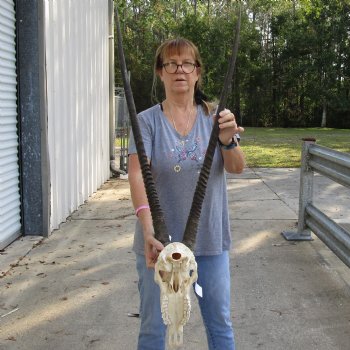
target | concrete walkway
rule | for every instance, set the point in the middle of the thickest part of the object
(74, 290)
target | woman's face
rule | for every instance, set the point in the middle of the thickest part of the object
(179, 82)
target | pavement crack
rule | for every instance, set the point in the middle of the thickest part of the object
(17, 263)
(103, 219)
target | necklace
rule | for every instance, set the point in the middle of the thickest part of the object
(187, 124)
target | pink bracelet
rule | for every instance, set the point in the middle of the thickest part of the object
(141, 207)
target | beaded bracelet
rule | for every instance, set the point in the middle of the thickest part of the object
(141, 207)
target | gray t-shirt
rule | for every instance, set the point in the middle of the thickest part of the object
(176, 162)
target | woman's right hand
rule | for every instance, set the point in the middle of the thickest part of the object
(152, 249)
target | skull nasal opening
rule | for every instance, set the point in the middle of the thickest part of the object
(176, 256)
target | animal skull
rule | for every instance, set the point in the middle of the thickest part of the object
(175, 272)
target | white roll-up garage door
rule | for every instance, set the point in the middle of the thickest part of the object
(10, 225)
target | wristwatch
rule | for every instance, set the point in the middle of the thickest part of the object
(231, 145)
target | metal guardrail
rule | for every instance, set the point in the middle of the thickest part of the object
(122, 128)
(336, 166)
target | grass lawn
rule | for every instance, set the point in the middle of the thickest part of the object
(281, 148)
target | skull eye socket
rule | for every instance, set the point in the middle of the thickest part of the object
(176, 256)
(165, 276)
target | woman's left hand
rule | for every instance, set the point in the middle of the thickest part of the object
(228, 126)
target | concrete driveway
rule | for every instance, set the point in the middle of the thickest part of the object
(74, 290)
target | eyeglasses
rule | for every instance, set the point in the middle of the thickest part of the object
(172, 67)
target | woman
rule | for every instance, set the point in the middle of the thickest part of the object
(176, 134)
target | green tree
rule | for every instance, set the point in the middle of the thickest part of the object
(293, 66)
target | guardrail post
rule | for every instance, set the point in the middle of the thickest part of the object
(305, 195)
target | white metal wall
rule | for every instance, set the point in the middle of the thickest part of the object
(76, 39)
(9, 181)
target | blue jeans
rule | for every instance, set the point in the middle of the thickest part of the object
(214, 278)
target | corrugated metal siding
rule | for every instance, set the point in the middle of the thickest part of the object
(77, 100)
(9, 175)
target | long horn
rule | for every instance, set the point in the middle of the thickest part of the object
(160, 230)
(190, 233)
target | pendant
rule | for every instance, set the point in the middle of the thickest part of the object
(177, 168)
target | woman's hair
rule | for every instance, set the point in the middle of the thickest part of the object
(178, 46)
